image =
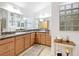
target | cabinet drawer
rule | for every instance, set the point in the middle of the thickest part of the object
(7, 40)
(19, 37)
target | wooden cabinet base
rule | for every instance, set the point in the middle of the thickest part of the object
(43, 38)
(27, 41)
(19, 44)
(16, 45)
(7, 47)
(32, 38)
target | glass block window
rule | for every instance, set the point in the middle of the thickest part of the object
(69, 17)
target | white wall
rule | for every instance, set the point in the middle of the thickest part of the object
(10, 7)
(44, 12)
(31, 23)
(54, 27)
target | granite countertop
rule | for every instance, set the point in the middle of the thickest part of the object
(11, 35)
(64, 42)
(18, 33)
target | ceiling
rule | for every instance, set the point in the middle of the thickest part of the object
(29, 8)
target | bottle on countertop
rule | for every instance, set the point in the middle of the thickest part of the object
(67, 39)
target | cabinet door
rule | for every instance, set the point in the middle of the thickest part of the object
(19, 44)
(42, 38)
(38, 40)
(6, 46)
(32, 38)
(12, 47)
(48, 39)
(27, 41)
(6, 54)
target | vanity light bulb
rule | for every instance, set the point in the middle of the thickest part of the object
(67, 50)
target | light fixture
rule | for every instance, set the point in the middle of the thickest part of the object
(12, 8)
(41, 20)
(47, 15)
(67, 51)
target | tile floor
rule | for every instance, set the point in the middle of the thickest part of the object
(37, 50)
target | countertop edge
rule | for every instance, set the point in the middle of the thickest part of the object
(17, 34)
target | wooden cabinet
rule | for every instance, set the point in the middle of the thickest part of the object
(27, 41)
(12, 48)
(42, 38)
(32, 38)
(48, 39)
(7, 47)
(38, 36)
(19, 44)
(15, 45)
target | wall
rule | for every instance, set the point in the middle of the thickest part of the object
(43, 13)
(10, 7)
(54, 28)
(0, 26)
(31, 23)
